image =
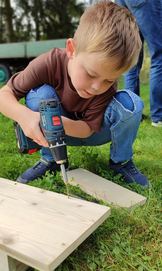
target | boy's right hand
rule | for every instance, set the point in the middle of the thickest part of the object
(31, 128)
(28, 119)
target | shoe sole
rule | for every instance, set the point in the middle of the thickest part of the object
(20, 180)
(158, 124)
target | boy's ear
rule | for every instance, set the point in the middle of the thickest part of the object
(70, 48)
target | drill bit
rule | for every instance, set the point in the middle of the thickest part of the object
(65, 178)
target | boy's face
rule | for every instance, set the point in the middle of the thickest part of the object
(88, 76)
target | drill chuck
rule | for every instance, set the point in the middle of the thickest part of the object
(58, 150)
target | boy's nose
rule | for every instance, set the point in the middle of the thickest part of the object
(96, 85)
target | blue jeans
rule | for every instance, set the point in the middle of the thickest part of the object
(132, 81)
(148, 14)
(120, 122)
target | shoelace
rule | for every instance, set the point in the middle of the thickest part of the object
(37, 165)
(47, 164)
(130, 167)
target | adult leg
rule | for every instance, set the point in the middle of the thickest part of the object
(132, 81)
(152, 33)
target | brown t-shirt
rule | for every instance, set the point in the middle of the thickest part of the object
(51, 68)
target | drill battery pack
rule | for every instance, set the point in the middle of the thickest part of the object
(24, 143)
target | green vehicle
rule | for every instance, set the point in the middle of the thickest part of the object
(15, 56)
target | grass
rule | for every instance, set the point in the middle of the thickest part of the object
(127, 240)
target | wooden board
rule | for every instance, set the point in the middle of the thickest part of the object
(105, 190)
(7, 263)
(3, 261)
(41, 228)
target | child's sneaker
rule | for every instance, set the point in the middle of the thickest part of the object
(39, 170)
(130, 172)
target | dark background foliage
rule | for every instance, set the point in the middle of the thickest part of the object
(32, 20)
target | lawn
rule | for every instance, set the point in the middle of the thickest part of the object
(127, 240)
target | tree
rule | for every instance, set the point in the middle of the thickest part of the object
(23, 21)
(61, 18)
(6, 15)
(2, 25)
(47, 19)
(38, 19)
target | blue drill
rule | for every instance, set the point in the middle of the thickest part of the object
(53, 130)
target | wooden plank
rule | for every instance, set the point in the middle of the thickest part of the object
(41, 228)
(9, 264)
(15, 265)
(3, 261)
(105, 190)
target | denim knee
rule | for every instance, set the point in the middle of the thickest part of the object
(38, 94)
(123, 98)
(129, 100)
(123, 107)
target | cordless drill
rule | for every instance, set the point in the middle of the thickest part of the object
(25, 144)
(52, 128)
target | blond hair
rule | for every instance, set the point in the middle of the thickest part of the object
(111, 30)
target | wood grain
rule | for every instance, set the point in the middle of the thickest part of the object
(105, 190)
(41, 228)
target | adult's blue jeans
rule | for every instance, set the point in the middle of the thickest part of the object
(148, 14)
(132, 81)
(120, 122)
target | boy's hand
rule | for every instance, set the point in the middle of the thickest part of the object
(28, 119)
(31, 128)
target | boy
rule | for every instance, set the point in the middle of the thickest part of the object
(83, 78)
